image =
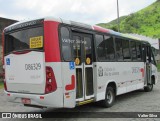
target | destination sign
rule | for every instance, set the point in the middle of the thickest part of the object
(22, 25)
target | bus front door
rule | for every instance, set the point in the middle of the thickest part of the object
(148, 65)
(83, 55)
(147, 60)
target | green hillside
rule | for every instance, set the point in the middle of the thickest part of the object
(144, 22)
(112, 23)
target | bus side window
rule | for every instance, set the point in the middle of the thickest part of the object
(133, 50)
(139, 50)
(100, 47)
(119, 51)
(105, 48)
(66, 44)
(109, 48)
(126, 50)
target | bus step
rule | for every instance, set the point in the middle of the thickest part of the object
(85, 102)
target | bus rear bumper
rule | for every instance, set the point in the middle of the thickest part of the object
(54, 99)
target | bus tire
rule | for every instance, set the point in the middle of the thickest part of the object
(148, 88)
(109, 97)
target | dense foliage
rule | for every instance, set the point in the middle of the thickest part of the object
(144, 22)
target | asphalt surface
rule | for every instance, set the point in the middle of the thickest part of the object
(137, 101)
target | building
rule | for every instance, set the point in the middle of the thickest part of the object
(4, 22)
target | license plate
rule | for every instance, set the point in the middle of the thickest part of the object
(26, 101)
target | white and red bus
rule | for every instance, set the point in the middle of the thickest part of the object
(57, 63)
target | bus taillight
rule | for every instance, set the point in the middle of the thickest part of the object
(51, 84)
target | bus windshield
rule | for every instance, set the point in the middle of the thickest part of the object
(27, 39)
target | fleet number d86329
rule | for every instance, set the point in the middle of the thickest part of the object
(34, 66)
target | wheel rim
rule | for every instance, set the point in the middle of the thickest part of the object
(150, 86)
(109, 97)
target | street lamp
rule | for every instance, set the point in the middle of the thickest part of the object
(118, 21)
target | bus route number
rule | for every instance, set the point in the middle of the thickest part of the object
(34, 66)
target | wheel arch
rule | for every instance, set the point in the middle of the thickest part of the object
(113, 85)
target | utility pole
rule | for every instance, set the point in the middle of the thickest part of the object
(118, 21)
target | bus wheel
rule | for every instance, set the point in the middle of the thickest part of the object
(148, 88)
(109, 97)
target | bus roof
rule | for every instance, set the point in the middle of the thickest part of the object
(78, 24)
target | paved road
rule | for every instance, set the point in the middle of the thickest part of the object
(137, 101)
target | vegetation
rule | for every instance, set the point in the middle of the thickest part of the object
(0, 59)
(145, 22)
(1, 84)
(158, 67)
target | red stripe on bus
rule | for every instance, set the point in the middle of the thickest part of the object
(72, 85)
(24, 52)
(100, 29)
(51, 41)
(142, 70)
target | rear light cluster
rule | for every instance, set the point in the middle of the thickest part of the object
(51, 84)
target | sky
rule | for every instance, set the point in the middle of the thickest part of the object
(85, 11)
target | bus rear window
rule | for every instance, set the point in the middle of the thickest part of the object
(26, 39)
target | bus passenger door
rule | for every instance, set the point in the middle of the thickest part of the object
(83, 55)
(147, 60)
(148, 65)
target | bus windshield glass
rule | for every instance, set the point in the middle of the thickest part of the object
(27, 39)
